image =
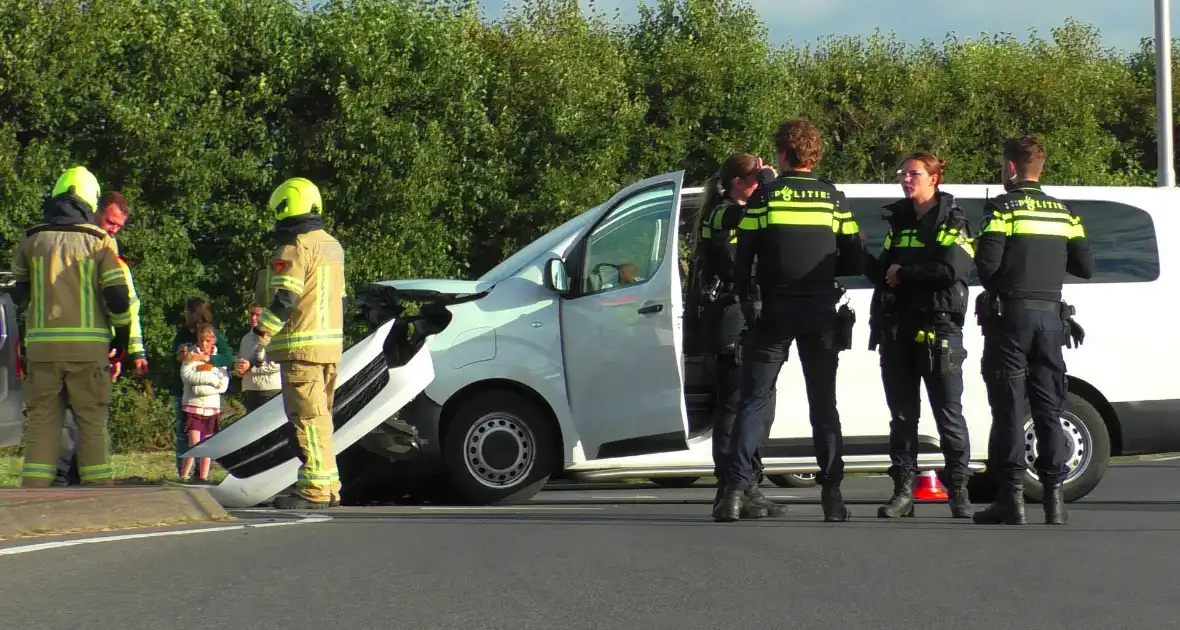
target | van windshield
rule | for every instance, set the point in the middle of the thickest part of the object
(530, 252)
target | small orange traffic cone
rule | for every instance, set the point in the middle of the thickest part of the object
(928, 488)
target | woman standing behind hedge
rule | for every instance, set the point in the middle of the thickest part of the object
(197, 311)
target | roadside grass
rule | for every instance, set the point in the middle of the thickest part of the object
(154, 468)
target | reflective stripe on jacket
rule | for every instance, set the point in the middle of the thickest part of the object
(67, 268)
(312, 269)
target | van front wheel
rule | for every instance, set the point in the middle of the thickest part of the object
(498, 448)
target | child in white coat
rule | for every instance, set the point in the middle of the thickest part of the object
(201, 403)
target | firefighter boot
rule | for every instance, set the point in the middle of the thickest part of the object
(960, 499)
(296, 502)
(833, 504)
(902, 502)
(1008, 507)
(1054, 504)
(756, 499)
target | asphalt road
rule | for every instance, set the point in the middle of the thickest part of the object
(617, 559)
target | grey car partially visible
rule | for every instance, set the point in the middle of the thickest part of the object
(12, 414)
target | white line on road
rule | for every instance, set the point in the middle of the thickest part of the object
(623, 498)
(506, 508)
(12, 551)
(1162, 459)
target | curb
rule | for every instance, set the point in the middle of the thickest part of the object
(55, 511)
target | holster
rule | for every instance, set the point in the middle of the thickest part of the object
(882, 317)
(988, 309)
(845, 321)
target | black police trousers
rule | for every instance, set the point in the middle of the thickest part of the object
(1024, 367)
(727, 373)
(907, 361)
(811, 323)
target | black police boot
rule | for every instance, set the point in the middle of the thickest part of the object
(755, 498)
(960, 501)
(1054, 504)
(902, 502)
(729, 509)
(1007, 509)
(718, 496)
(832, 501)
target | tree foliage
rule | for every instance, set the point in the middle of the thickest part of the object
(442, 142)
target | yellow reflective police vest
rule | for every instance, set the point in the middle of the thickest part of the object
(67, 268)
(312, 268)
(714, 224)
(1029, 216)
(135, 345)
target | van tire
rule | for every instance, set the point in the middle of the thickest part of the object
(512, 431)
(794, 480)
(1085, 423)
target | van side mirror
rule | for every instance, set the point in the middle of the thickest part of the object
(555, 277)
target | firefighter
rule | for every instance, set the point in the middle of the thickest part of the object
(1027, 243)
(111, 217)
(803, 235)
(302, 330)
(722, 322)
(68, 270)
(923, 270)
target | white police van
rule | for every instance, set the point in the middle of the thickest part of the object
(569, 360)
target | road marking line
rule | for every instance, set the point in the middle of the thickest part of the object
(620, 498)
(12, 551)
(491, 508)
(1162, 459)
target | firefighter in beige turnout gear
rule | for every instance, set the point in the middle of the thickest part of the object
(302, 330)
(68, 271)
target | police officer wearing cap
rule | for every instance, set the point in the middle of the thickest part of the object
(1028, 242)
(802, 235)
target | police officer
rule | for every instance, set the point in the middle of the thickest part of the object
(302, 330)
(1027, 243)
(801, 232)
(68, 270)
(112, 216)
(921, 279)
(723, 323)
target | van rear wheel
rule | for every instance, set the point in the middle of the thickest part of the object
(794, 480)
(498, 448)
(1087, 444)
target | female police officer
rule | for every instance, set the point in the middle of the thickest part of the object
(920, 302)
(722, 322)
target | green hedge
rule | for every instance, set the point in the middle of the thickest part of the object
(441, 141)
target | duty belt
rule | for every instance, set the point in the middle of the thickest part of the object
(1032, 305)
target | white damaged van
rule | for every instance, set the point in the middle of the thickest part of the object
(571, 359)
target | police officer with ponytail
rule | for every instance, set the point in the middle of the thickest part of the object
(722, 324)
